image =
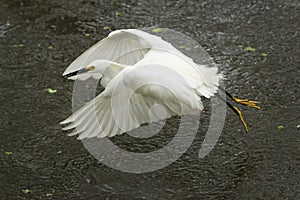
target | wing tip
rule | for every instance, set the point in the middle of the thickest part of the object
(74, 132)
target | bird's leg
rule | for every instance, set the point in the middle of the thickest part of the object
(239, 113)
(245, 102)
(236, 111)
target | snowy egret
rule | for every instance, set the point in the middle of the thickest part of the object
(139, 70)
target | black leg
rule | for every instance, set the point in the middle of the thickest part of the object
(235, 110)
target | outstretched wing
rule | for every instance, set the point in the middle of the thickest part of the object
(120, 46)
(135, 96)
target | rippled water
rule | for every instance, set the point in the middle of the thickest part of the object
(39, 39)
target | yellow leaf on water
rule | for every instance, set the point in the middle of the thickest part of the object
(50, 91)
(235, 72)
(156, 30)
(49, 195)
(250, 49)
(87, 35)
(280, 127)
(8, 152)
(26, 191)
(106, 28)
(264, 54)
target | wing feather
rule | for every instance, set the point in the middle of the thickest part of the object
(177, 87)
(111, 114)
(122, 47)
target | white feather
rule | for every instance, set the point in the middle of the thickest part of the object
(149, 80)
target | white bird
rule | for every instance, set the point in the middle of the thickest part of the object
(139, 70)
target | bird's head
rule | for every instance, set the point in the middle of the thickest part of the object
(97, 66)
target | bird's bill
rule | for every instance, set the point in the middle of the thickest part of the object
(81, 71)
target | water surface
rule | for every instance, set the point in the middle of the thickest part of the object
(39, 39)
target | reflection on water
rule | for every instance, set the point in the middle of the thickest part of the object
(4, 28)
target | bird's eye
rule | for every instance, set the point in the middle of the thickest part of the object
(89, 68)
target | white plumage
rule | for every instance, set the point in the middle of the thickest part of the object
(138, 70)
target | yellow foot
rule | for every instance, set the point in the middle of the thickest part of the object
(241, 118)
(252, 104)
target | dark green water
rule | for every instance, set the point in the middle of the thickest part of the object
(40, 38)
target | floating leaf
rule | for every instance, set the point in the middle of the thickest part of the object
(264, 54)
(118, 13)
(298, 126)
(50, 91)
(50, 47)
(59, 152)
(156, 30)
(240, 46)
(280, 127)
(182, 46)
(18, 45)
(250, 49)
(26, 191)
(49, 195)
(8, 152)
(235, 72)
(87, 35)
(106, 28)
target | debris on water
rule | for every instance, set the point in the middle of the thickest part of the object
(50, 91)
(156, 30)
(106, 28)
(26, 191)
(250, 49)
(264, 54)
(8, 152)
(4, 29)
(280, 127)
(18, 45)
(235, 72)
